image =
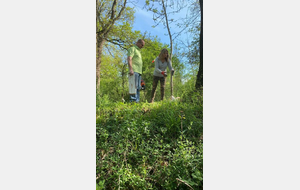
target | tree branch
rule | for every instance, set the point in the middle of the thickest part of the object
(117, 42)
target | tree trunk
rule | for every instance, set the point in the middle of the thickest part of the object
(199, 80)
(98, 62)
(123, 79)
(103, 32)
(171, 43)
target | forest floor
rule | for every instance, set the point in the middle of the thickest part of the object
(150, 145)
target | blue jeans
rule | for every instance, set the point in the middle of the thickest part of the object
(136, 97)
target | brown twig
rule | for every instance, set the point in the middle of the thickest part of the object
(184, 183)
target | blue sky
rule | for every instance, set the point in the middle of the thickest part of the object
(144, 22)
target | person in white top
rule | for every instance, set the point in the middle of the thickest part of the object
(160, 74)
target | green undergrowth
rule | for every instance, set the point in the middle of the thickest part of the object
(150, 146)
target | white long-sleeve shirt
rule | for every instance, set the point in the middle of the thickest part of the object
(161, 66)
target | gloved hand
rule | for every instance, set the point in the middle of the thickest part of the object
(163, 73)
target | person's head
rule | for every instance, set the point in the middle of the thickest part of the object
(164, 54)
(140, 43)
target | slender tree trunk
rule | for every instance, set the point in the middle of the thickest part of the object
(98, 62)
(123, 80)
(171, 42)
(199, 80)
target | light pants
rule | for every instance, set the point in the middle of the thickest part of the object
(136, 97)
